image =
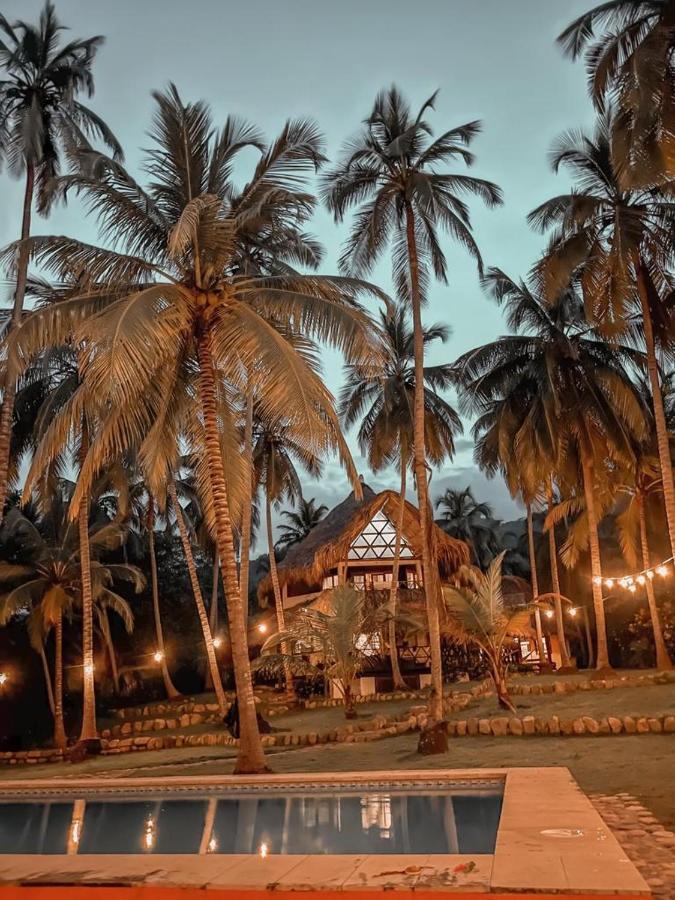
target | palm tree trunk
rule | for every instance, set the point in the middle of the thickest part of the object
(48, 679)
(89, 732)
(170, 689)
(60, 739)
(278, 601)
(247, 511)
(199, 600)
(588, 473)
(501, 687)
(534, 579)
(110, 647)
(663, 660)
(662, 440)
(350, 709)
(251, 758)
(393, 593)
(431, 587)
(9, 392)
(213, 613)
(565, 660)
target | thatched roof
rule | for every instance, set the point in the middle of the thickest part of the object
(328, 543)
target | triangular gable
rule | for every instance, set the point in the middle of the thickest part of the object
(378, 540)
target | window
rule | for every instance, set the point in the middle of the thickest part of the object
(378, 540)
(330, 581)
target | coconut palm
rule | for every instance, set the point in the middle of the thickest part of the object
(41, 120)
(627, 46)
(466, 519)
(381, 397)
(299, 522)
(583, 410)
(172, 323)
(48, 584)
(477, 616)
(390, 174)
(277, 452)
(615, 240)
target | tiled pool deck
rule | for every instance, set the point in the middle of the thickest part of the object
(551, 841)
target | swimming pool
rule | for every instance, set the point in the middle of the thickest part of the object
(432, 818)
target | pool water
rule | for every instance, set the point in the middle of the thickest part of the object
(360, 821)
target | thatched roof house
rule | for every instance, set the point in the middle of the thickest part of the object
(358, 536)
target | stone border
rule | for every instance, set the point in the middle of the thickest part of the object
(501, 726)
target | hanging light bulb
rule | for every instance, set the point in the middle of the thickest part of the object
(609, 583)
(624, 583)
(213, 845)
(158, 656)
(263, 850)
(89, 669)
(573, 611)
(597, 579)
(149, 835)
(217, 642)
(649, 573)
(662, 570)
(549, 613)
(3, 678)
(262, 628)
(641, 579)
(632, 588)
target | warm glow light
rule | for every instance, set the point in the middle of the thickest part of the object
(158, 656)
(609, 583)
(662, 571)
(632, 588)
(149, 836)
(549, 613)
(597, 580)
(264, 850)
(629, 581)
(649, 574)
(89, 669)
(573, 612)
(3, 678)
(217, 642)
(75, 831)
(641, 579)
(213, 845)
(262, 628)
(624, 582)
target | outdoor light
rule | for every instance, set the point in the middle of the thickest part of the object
(213, 845)
(158, 656)
(217, 642)
(573, 612)
(149, 836)
(263, 851)
(641, 579)
(262, 628)
(549, 613)
(649, 574)
(632, 588)
(597, 580)
(3, 678)
(662, 571)
(609, 583)
(89, 669)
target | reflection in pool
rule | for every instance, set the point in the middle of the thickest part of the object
(366, 821)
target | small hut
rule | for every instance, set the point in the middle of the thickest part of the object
(355, 544)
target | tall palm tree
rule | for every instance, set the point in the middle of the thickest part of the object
(466, 519)
(389, 174)
(583, 410)
(41, 121)
(300, 521)
(48, 582)
(172, 324)
(627, 46)
(277, 452)
(381, 397)
(614, 239)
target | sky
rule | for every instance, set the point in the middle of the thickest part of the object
(494, 60)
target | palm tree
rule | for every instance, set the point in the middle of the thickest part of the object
(389, 173)
(477, 616)
(627, 47)
(277, 451)
(299, 522)
(173, 324)
(464, 518)
(48, 581)
(41, 120)
(641, 489)
(614, 239)
(583, 410)
(382, 398)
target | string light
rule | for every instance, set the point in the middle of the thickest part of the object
(262, 628)
(549, 613)
(217, 642)
(573, 611)
(89, 669)
(629, 582)
(158, 656)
